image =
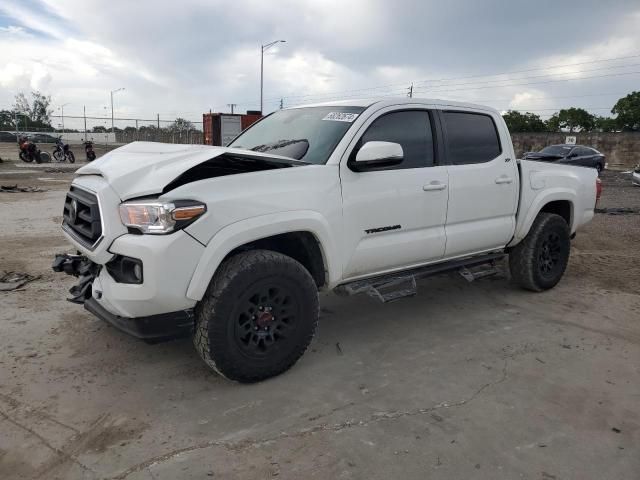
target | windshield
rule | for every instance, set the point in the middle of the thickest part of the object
(557, 150)
(309, 134)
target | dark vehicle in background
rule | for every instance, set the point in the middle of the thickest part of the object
(570, 155)
(8, 137)
(88, 150)
(62, 152)
(43, 138)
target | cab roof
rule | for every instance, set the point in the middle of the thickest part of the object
(390, 101)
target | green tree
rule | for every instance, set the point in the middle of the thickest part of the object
(523, 122)
(99, 129)
(38, 111)
(575, 119)
(180, 124)
(627, 110)
(7, 120)
(553, 123)
(606, 124)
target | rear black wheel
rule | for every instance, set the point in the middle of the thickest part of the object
(258, 316)
(25, 157)
(538, 262)
(599, 167)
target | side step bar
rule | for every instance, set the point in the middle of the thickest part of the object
(393, 286)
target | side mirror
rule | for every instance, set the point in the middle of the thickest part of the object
(572, 155)
(377, 154)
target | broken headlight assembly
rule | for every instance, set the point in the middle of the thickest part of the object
(159, 218)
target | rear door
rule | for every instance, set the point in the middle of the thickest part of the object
(582, 158)
(394, 216)
(483, 182)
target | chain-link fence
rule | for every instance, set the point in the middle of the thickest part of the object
(116, 131)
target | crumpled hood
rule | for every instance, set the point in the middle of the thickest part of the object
(145, 168)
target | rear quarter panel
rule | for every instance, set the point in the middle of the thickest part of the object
(542, 183)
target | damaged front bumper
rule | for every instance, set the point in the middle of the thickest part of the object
(150, 328)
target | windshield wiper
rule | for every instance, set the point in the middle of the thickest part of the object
(279, 144)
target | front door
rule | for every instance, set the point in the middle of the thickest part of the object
(394, 216)
(483, 183)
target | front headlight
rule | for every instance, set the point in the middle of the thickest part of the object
(158, 218)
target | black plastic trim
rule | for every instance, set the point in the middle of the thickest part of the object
(154, 328)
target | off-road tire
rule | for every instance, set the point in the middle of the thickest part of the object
(220, 313)
(71, 157)
(528, 260)
(25, 158)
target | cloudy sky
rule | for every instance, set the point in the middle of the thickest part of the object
(185, 57)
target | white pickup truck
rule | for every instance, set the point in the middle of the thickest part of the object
(232, 244)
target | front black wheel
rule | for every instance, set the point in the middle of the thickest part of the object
(599, 168)
(71, 157)
(25, 157)
(257, 317)
(538, 262)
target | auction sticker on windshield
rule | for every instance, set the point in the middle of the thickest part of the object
(341, 116)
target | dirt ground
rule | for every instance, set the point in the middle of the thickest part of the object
(479, 380)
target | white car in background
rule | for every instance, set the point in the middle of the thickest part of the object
(635, 176)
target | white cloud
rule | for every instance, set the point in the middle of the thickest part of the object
(186, 57)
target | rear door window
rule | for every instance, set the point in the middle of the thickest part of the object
(470, 137)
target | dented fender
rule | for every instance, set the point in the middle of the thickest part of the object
(240, 233)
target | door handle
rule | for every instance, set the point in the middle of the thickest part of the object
(501, 180)
(434, 186)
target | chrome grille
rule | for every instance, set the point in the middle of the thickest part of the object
(81, 217)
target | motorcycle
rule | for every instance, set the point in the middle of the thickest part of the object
(30, 152)
(88, 150)
(62, 152)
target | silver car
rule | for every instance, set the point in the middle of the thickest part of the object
(635, 176)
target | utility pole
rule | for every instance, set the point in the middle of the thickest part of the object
(62, 109)
(112, 92)
(158, 122)
(232, 105)
(84, 114)
(281, 103)
(264, 48)
(410, 94)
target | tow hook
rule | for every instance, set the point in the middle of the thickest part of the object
(81, 267)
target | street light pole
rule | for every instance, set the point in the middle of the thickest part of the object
(264, 48)
(62, 109)
(112, 92)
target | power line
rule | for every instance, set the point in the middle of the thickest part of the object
(536, 83)
(465, 77)
(540, 76)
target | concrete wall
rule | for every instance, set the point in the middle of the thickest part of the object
(621, 149)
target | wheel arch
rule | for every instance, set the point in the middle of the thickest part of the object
(559, 201)
(303, 236)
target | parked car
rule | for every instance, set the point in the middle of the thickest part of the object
(635, 176)
(8, 137)
(232, 244)
(569, 154)
(42, 138)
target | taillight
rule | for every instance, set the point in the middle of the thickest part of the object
(598, 190)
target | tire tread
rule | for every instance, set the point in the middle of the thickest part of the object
(206, 309)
